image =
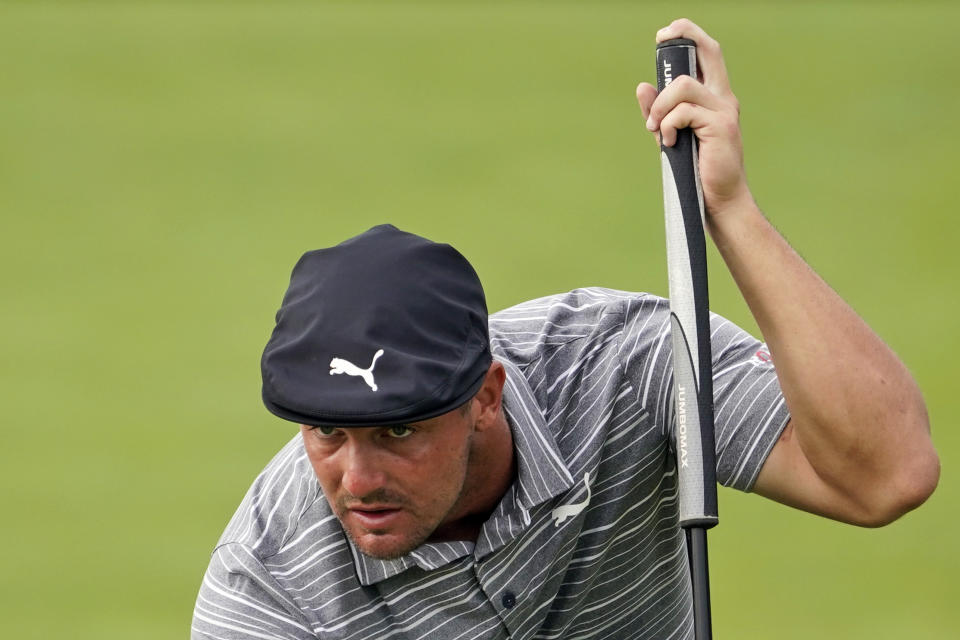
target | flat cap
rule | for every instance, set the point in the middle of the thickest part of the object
(384, 328)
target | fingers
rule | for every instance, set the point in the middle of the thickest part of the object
(684, 28)
(683, 89)
(646, 94)
(682, 116)
(687, 102)
(709, 56)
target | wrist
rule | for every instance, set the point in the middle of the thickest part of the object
(725, 220)
(729, 201)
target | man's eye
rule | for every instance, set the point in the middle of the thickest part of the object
(325, 431)
(399, 431)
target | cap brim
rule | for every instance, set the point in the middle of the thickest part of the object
(376, 420)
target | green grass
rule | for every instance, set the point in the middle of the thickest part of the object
(162, 166)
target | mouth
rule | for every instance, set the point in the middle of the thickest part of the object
(372, 518)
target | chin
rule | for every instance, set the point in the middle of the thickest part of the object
(385, 552)
(384, 547)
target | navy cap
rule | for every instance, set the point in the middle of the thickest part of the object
(384, 328)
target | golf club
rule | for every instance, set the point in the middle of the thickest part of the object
(690, 329)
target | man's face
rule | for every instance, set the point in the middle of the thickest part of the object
(392, 487)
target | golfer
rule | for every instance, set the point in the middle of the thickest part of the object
(459, 476)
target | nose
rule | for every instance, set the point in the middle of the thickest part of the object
(362, 472)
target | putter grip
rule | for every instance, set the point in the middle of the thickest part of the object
(689, 306)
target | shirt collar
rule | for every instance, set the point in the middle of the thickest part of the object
(541, 476)
(428, 556)
(542, 473)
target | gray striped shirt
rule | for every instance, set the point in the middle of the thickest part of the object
(585, 544)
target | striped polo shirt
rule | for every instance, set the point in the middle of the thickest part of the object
(585, 543)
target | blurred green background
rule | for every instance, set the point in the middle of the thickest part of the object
(163, 165)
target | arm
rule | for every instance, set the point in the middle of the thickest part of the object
(858, 446)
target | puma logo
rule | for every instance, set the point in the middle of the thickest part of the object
(561, 513)
(339, 365)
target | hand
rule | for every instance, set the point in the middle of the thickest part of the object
(709, 107)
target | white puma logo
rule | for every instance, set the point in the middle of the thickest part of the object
(561, 513)
(339, 365)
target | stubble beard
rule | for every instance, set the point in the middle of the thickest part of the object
(390, 552)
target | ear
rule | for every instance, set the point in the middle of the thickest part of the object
(488, 400)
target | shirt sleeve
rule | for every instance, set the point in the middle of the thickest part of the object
(749, 409)
(240, 600)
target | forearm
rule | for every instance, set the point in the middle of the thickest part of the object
(856, 411)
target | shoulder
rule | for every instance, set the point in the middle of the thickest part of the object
(283, 499)
(583, 302)
(522, 332)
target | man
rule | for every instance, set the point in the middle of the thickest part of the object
(459, 479)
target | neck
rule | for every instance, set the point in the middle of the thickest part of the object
(490, 472)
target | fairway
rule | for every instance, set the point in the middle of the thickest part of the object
(163, 166)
